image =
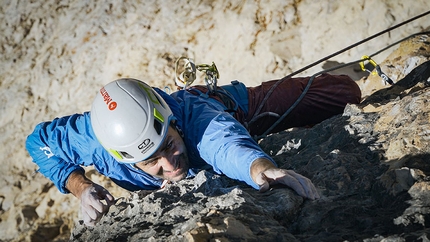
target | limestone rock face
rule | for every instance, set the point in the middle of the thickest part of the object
(371, 168)
(370, 164)
(206, 207)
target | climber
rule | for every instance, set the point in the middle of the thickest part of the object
(141, 137)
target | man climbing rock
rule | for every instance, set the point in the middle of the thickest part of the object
(141, 137)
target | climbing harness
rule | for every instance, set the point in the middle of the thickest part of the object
(233, 95)
(187, 77)
(376, 71)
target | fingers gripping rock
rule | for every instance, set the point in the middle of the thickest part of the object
(95, 202)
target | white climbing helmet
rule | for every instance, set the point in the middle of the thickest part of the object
(130, 119)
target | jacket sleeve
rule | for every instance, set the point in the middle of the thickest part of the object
(61, 146)
(229, 148)
(219, 139)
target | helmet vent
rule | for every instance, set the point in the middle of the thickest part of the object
(158, 126)
(126, 155)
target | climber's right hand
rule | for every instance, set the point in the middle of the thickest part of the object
(95, 199)
(95, 202)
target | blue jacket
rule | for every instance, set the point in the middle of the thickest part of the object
(214, 140)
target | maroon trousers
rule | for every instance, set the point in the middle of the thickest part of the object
(326, 97)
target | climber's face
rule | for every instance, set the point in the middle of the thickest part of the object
(170, 161)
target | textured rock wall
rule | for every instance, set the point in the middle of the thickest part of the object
(369, 192)
(56, 54)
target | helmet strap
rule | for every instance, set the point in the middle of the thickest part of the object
(173, 124)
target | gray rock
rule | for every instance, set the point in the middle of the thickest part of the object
(368, 193)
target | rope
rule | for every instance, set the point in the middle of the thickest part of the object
(257, 114)
(256, 117)
(360, 42)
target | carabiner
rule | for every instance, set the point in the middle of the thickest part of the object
(376, 70)
(187, 77)
(212, 75)
(372, 62)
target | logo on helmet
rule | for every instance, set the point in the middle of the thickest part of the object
(145, 146)
(107, 99)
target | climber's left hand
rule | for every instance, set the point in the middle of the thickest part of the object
(265, 174)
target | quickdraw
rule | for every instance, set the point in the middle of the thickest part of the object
(188, 76)
(376, 71)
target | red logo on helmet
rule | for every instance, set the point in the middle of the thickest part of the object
(107, 99)
(112, 105)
